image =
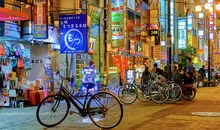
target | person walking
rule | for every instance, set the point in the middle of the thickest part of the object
(189, 67)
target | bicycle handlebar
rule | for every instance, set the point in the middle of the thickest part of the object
(63, 78)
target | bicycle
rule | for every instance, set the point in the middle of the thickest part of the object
(103, 108)
(175, 91)
(189, 92)
(156, 91)
(114, 86)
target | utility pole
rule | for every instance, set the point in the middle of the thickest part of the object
(169, 44)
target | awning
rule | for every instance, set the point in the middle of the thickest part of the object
(11, 15)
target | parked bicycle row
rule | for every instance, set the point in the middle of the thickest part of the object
(103, 103)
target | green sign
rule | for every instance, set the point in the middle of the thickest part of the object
(218, 24)
(112, 70)
(118, 18)
(117, 23)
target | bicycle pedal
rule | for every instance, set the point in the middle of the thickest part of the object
(73, 112)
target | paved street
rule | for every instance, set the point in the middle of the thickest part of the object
(138, 116)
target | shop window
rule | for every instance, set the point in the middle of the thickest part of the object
(137, 27)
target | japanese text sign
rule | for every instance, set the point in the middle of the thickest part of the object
(132, 47)
(73, 33)
(40, 19)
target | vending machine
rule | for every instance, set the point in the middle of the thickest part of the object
(130, 76)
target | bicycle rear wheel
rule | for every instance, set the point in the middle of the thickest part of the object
(52, 110)
(127, 94)
(105, 110)
(189, 93)
(159, 92)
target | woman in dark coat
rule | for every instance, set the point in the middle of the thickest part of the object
(2, 78)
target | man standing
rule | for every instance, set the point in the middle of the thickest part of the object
(189, 66)
(202, 72)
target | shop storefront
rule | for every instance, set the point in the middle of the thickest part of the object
(15, 57)
(128, 34)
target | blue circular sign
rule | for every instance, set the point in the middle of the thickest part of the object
(73, 39)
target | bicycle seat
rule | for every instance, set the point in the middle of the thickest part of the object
(88, 85)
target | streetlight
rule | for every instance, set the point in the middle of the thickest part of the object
(208, 11)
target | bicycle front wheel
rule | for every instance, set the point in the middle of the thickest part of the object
(175, 92)
(105, 110)
(52, 110)
(143, 94)
(127, 94)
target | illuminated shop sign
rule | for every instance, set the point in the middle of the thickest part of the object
(73, 33)
(117, 23)
(40, 19)
(201, 15)
(132, 47)
(92, 45)
(153, 32)
(182, 33)
(200, 33)
(153, 19)
(131, 4)
(190, 21)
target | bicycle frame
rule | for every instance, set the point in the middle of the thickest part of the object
(81, 107)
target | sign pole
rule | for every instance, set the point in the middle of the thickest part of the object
(169, 44)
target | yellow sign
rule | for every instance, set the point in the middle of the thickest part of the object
(153, 33)
(153, 16)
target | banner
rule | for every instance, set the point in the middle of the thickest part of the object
(154, 19)
(92, 42)
(117, 23)
(124, 67)
(117, 62)
(40, 19)
(73, 33)
(132, 47)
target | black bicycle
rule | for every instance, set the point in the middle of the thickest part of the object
(103, 108)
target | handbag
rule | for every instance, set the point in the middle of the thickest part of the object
(20, 63)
